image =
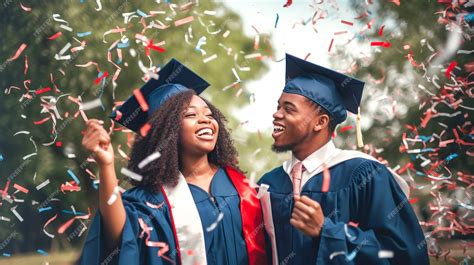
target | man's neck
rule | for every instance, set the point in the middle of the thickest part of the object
(305, 149)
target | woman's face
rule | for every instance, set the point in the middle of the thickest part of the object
(199, 128)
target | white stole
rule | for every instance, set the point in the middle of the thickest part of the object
(187, 222)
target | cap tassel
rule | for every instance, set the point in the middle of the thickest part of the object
(360, 143)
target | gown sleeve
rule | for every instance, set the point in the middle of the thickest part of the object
(131, 248)
(385, 220)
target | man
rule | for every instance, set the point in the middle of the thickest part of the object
(326, 205)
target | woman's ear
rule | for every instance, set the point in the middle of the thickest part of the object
(322, 122)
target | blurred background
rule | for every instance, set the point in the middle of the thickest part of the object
(416, 57)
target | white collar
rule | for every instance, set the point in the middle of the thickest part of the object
(313, 161)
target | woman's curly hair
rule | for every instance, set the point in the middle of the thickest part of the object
(164, 137)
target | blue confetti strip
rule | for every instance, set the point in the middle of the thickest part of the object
(73, 176)
(42, 252)
(6, 254)
(71, 212)
(141, 13)
(83, 34)
(1, 157)
(276, 21)
(44, 209)
(451, 156)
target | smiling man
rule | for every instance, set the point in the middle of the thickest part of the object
(326, 205)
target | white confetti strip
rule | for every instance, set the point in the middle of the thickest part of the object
(131, 174)
(214, 225)
(148, 159)
(42, 185)
(385, 254)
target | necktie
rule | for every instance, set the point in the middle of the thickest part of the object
(296, 174)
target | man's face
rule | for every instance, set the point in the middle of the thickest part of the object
(293, 122)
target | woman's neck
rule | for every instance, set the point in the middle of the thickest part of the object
(193, 167)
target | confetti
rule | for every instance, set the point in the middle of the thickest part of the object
(55, 36)
(450, 69)
(183, 21)
(71, 174)
(42, 185)
(114, 196)
(330, 45)
(18, 52)
(13, 209)
(47, 223)
(288, 3)
(66, 225)
(42, 252)
(20, 188)
(381, 43)
(385, 254)
(214, 225)
(91, 104)
(149, 159)
(25, 8)
(210, 58)
(276, 20)
(347, 22)
(130, 174)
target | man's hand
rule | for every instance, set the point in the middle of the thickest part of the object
(307, 216)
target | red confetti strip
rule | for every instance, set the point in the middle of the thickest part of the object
(66, 225)
(47, 223)
(404, 168)
(353, 224)
(347, 22)
(141, 100)
(330, 45)
(59, 144)
(450, 68)
(288, 3)
(144, 129)
(41, 121)
(20, 188)
(346, 128)
(97, 80)
(380, 43)
(146, 230)
(381, 30)
(426, 119)
(18, 52)
(306, 57)
(154, 47)
(43, 90)
(26, 65)
(413, 200)
(55, 36)
(397, 2)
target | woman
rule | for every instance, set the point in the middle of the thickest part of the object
(192, 205)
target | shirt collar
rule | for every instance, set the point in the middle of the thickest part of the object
(314, 160)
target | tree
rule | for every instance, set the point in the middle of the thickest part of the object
(58, 84)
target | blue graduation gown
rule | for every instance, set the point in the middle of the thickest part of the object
(361, 191)
(131, 248)
(224, 244)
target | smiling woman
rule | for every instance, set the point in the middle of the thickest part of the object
(192, 201)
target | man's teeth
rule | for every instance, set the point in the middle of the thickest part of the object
(205, 131)
(277, 128)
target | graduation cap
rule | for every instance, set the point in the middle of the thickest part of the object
(173, 78)
(333, 91)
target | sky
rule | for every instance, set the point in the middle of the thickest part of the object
(289, 36)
